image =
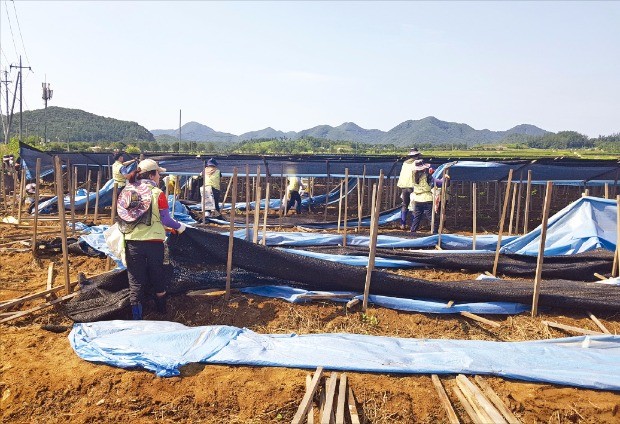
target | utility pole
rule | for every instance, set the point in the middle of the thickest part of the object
(5, 124)
(21, 91)
(47, 95)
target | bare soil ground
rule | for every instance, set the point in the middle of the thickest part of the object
(42, 380)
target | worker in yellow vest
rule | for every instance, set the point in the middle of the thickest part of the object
(293, 196)
(213, 177)
(143, 216)
(120, 170)
(405, 183)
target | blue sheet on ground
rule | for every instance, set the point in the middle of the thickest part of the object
(355, 260)
(163, 347)
(295, 295)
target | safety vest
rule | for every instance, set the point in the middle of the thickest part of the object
(422, 190)
(156, 230)
(213, 179)
(293, 184)
(405, 180)
(118, 177)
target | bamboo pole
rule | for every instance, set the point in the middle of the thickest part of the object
(442, 212)
(264, 239)
(99, 172)
(374, 229)
(63, 223)
(501, 223)
(346, 207)
(231, 236)
(37, 176)
(474, 214)
(526, 211)
(541, 249)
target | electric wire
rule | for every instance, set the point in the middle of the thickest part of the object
(20, 34)
(11, 28)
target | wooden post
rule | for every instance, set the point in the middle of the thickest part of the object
(37, 176)
(512, 208)
(99, 172)
(227, 190)
(73, 188)
(517, 220)
(374, 229)
(541, 249)
(442, 212)
(63, 223)
(264, 239)
(606, 190)
(22, 189)
(363, 187)
(346, 207)
(359, 205)
(615, 269)
(501, 223)
(526, 210)
(86, 207)
(257, 192)
(474, 214)
(247, 202)
(327, 180)
(231, 236)
(339, 208)
(204, 193)
(114, 199)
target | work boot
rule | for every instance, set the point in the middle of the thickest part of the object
(160, 304)
(136, 311)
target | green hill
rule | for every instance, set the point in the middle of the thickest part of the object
(77, 125)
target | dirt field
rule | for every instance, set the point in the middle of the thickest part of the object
(43, 380)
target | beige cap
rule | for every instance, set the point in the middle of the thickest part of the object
(148, 165)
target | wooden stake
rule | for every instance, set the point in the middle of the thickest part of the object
(310, 418)
(570, 328)
(86, 207)
(346, 207)
(467, 406)
(374, 229)
(474, 195)
(37, 177)
(520, 183)
(541, 249)
(342, 397)
(231, 236)
(478, 401)
(480, 319)
(615, 268)
(22, 189)
(63, 222)
(306, 402)
(355, 419)
(528, 193)
(501, 223)
(256, 212)
(328, 411)
(99, 172)
(264, 239)
(445, 401)
(203, 206)
(359, 205)
(339, 208)
(512, 208)
(38, 308)
(247, 202)
(442, 212)
(598, 323)
(50, 276)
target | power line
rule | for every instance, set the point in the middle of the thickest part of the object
(11, 28)
(20, 33)
(6, 59)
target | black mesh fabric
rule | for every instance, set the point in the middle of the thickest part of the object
(197, 257)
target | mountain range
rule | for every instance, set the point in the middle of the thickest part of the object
(426, 130)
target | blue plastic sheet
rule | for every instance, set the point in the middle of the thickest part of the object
(294, 295)
(356, 260)
(163, 347)
(105, 199)
(586, 224)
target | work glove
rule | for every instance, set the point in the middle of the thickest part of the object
(181, 228)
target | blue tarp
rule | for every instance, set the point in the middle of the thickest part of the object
(163, 347)
(294, 295)
(587, 224)
(105, 199)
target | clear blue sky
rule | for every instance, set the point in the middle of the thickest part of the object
(244, 66)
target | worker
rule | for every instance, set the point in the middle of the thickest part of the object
(212, 179)
(120, 170)
(142, 216)
(423, 185)
(405, 183)
(293, 196)
(171, 184)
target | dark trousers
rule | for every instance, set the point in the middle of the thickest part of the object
(294, 197)
(426, 209)
(216, 199)
(405, 196)
(145, 268)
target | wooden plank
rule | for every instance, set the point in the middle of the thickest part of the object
(231, 236)
(38, 308)
(467, 406)
(355, 418)
(475, 404)
(342, 397)
(328, 411)
(50, 275)
(310, 417)
(486, 404)
(541, 248)
(351, 303)
(570, 328)
(306, 402)
(480, 319)
(497, 401)
(207, 292)
(598, 323)
(445, 401)
(501, 223)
